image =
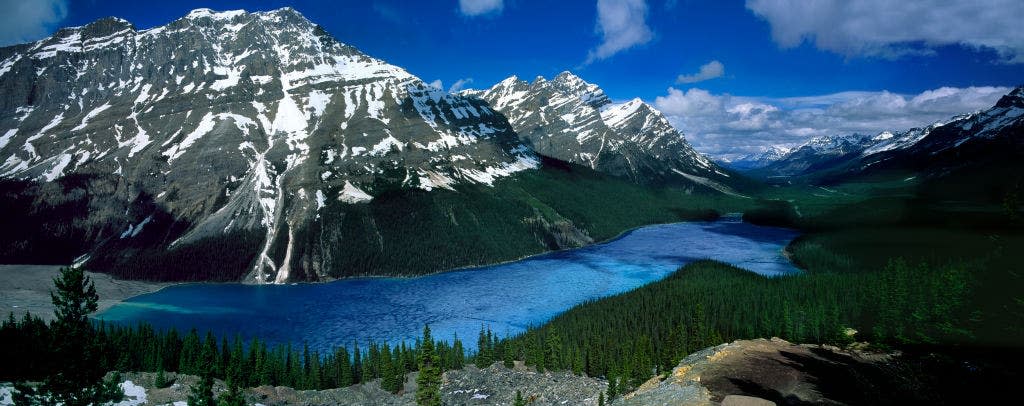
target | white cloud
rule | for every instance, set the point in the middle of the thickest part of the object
(473, 8)
(622, 25)
(460, 84)
(691, 103)
(726, 125)
(708, 71)
(23, 21)
(892, 28)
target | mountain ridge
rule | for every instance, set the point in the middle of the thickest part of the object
(573, 120)
(261, 137)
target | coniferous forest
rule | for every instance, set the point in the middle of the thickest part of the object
(625, 338)
(29, 342)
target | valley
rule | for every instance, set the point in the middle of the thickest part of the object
(239, 206)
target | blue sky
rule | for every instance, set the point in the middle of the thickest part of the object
(775, 71)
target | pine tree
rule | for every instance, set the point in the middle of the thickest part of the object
(315, 377)
(202, 391)
(233, 371)
(307, 367)
(210, 357)
(483, 353)
(372, 362)
(191, 350)
(357, 365)
(600, 399)
(238, 365)
(428, 391)
(458, 354)
(388, 379)
(553, 350)
(78, 378)
(344, 367)
(519, 399)
(507, 358)
(225, 357)
(577, 362)
(234, 396)
(612, 385)
(161, 379)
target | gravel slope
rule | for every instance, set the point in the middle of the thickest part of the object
(26, 288)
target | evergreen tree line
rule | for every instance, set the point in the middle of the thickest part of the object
(630, 337)
(625, 338)
(26, 346)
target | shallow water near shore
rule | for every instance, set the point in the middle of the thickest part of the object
(507, 297)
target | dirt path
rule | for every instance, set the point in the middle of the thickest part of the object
(26, 288)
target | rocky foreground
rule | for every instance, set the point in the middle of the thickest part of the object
(746, 372)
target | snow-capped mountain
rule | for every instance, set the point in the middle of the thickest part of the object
(836, 157)
(572, 120)
(234, 122)
(1002, 121)
(888, 141)
(765, 157)
(828, 152)
(989, 138)
(819, 153)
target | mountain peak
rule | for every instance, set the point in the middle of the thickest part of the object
(567, 76)
(287, 11)
(588, 93)
(281, 15)
(511, 81)
(1013, 99)
(221, 15)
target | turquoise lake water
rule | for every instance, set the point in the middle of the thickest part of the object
(507, 297)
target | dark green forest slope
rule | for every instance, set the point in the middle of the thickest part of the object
(882, 264)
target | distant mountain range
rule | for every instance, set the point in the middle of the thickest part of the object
(821, 154)
(972, 157)
(258, 147)
(765, 157)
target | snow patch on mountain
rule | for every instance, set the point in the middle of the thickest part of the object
(352, 194)
(92, 114)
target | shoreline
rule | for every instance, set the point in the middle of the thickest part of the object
(614, 238)
(27, 290)
(29, 285)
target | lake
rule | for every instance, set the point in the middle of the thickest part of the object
(508, 297)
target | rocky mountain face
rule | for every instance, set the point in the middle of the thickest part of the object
(235, 127)
(572, 120)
